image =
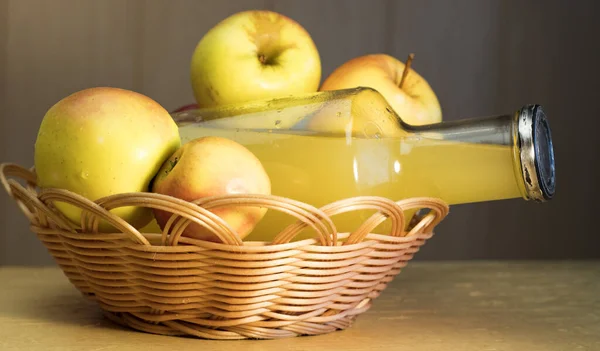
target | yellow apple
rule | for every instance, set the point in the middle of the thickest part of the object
(254, 55)
(151, 227)
(103, 141)
(361, 112)
(415, 102)
(209, 166)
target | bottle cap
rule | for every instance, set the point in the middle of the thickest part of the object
(536, 152)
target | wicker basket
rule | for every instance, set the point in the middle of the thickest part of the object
(169, 284)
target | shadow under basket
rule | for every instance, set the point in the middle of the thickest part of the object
(166, 283)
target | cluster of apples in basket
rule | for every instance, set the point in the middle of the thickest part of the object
(105, 140)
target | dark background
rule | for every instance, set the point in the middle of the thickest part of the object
(481, 57)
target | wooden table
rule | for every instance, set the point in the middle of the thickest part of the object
(430, 306)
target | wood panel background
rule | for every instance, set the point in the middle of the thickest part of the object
(482, 57)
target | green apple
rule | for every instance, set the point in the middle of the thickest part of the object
(253, 55)
(103, 141)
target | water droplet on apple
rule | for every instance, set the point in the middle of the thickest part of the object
(84, 174)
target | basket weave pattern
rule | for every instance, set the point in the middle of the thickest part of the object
(165, 283)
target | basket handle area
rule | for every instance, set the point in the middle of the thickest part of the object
(182, 210)
(386, 209)
(40, 210)
(393, 210)
(39, 207)
(26, 197)
(319, 219)
(34, 203)
(307, 215)
(438, 211)
(93, 209)
(199, 211)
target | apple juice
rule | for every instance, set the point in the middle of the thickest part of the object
(359, 147)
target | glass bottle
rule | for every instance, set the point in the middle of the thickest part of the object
(326, 146)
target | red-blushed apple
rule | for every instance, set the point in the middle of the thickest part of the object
(413, 100)
(209, 166)
(254, 55)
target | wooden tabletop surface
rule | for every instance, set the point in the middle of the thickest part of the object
(429, 306)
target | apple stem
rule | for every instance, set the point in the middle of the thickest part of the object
(409, 60)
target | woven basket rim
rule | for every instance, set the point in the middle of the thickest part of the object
(197, 246)
(29, 197)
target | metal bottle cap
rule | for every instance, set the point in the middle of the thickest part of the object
(536, 152)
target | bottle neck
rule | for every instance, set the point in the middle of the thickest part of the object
(526, 132)
(495, 130)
